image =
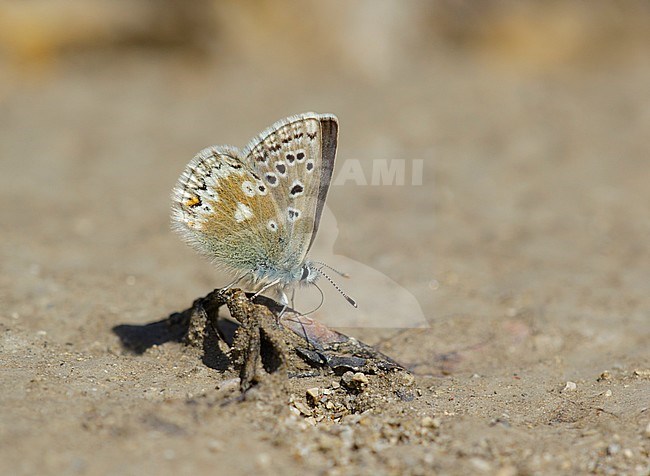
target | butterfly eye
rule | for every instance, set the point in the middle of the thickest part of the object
(300, 156)
(261, 188)
(272, 226)
(309, 165)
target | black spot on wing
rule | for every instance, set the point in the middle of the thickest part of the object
(271, 178)
(296, 189)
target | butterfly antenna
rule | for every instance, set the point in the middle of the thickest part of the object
(340, 273)
(336, 286)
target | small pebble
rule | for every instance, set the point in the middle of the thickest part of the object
(642, 373)
(608, 393)
(302, 408)
(215, 445)
(354, 381)
(360, 378)
(346, 378)
(605, 375)
(570, 387)
(313, 395)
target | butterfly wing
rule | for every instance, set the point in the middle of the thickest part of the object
(295, 159)
(222, 209)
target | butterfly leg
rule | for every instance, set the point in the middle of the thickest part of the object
(285, 303)
(265, 287)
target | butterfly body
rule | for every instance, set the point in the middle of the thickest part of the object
(255, 212)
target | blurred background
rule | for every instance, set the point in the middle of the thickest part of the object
(531, 118)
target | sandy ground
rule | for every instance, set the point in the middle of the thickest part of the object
(525, 249)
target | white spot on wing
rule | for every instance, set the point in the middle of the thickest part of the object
(242, 213)
(248, 188)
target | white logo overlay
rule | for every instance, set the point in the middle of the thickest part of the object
(382, 302)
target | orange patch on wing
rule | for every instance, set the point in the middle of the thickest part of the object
(192, 202)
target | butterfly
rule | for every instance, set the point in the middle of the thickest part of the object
(255, 212)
